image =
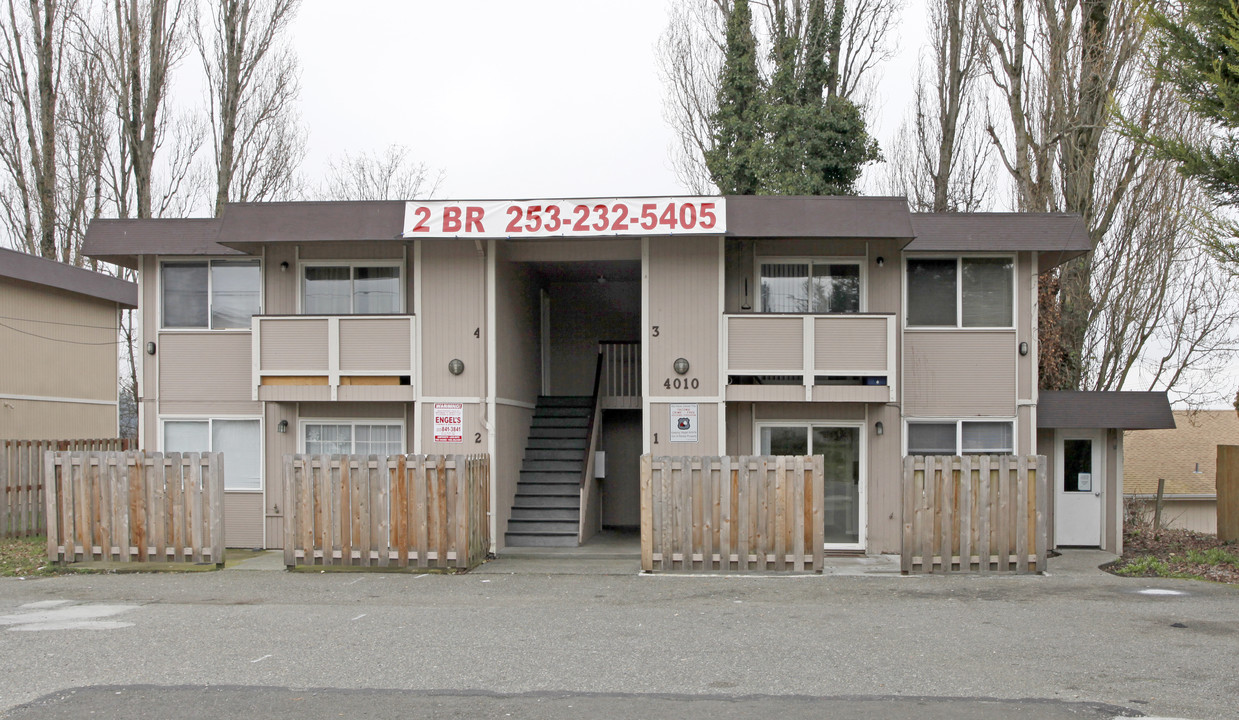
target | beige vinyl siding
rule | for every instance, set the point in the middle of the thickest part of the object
(345, 410)
(1025, 323)
(850, 344)
(280, 287)
(294, 345)
(575, 250)
(684, 304)
(518, 319)
(511, 430)
(959, 373)
(36, 420)
(707, 431)
(765, 344)
(243, 520)
(44, 355)
(453, 307)
(205, 373)
(1195, 514)
(374, 344)
(275, 447)
(885, 471)
(148, 312)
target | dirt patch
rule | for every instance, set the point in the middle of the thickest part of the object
(1178, 554)
(25, 557)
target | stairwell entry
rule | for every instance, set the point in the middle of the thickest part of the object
(547, 508)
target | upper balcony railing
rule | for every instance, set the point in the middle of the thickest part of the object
(823, 358)
(621, 375)
(334, 357)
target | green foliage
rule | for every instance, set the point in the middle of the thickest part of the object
(1146, 566)
(790, 136)
(735, 159)
(1199, 55)
(1213, 556)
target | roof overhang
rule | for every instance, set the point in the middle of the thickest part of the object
(1122, 410)
(22, 267)
(121, 242)
(828, 216)
(1055, 237)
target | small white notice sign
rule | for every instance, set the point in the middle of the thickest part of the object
(449, 425)
(683, 422)
(1084, 482)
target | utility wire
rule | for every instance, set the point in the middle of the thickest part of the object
(53, 322)
(52, 339)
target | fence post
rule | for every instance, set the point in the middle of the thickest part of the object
(50, 496)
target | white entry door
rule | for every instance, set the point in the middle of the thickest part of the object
(1078, 488)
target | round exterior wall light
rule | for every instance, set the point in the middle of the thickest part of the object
(878, 428)
(680, 366)
(150, 348)
(1023, 348)
(456, 366)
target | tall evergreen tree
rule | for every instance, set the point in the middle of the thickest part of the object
(735, 160)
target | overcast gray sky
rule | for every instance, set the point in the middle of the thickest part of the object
(542, 98)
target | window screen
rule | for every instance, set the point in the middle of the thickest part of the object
(931, 292)
(785, 287)
(931, 438)
(376, 290)
(184, 295)
(235, 293)
(327, 291)
(329, 439)
(987, 437)
(988, 294)
(186, 436)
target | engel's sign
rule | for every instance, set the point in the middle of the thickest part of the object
(583, 217)
(449, 423)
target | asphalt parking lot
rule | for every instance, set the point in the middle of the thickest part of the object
(530, 637)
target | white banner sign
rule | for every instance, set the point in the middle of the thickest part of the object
(585, 217)
(449, 422)
(683, 422)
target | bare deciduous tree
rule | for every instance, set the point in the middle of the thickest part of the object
(253, 85)
(140, 44)
(1065, 71)
(940, 160)
(391, 175)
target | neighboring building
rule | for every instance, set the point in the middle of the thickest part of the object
(840, 326)
(59, 354)
(1186, 458)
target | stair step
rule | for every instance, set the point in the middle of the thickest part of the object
(563, 412)
(557, 477)
(566, 466)
(560, 422)
(565, 401)
(540, 540)
(544, 526)
(542, 502)
(546, 513)
(537, 453)
(577, 445)
(561, 490)
(558, 433)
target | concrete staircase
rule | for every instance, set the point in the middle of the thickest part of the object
(547, 509)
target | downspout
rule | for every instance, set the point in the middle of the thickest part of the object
(488, 257)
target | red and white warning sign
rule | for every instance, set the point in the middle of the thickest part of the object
(449, 422)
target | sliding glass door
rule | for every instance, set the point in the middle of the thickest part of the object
(840, 447)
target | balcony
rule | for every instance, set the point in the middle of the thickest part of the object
(361, 358)
(810, 358)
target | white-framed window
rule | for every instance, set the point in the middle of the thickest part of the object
(842, 447)
(810, 285)
(351, 288)
(239, 439)
(954, 292)
(961, 437)
(352, 437)
(210, 294)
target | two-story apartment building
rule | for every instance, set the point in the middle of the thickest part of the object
(846, 327)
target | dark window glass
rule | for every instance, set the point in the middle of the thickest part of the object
(931, 292)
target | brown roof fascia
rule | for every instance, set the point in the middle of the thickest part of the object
(49, 273)
(247, 224)
(123, 241)
(1056, 237)
(831, 216)
(1123, 410)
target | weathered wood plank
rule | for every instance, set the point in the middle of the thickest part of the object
(966, 494)
(798, 529)
(1021, 514)
(985, 500)
(818, 515)
(647, 513)
(725, 503)
(1043, 493)
(947, 504)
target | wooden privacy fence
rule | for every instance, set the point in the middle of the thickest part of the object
(399, 511)
(135, 506)
(974, 513)
(22, 511)
(732, 513)
(1227, 478)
